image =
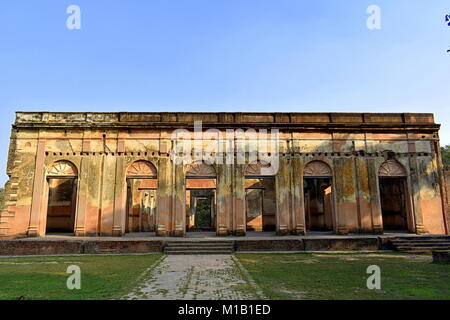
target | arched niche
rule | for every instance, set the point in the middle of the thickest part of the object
(260, 168)
(392, 168)
(62, 169)
(317, 169)
(394, 196)
(318, 195)
(142, 185)
(62, 197)
(141, 168)
(200, 169)
(201, 197)
(260, 196)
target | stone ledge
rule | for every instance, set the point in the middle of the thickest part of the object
(361, 244)
(269, 245)
(56, 247)
(217, 118)
(40, 246)
(309, 244)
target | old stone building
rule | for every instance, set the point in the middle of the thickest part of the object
(103, 174)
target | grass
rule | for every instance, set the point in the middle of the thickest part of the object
(280, 276)
(343, 276)
(102, 276)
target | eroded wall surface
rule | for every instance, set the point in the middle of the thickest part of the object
(103, 146)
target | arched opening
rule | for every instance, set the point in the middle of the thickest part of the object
(318, 195)
(142, 184)
(201, 197)
(62, 197)
(392, 181)
(260, 198)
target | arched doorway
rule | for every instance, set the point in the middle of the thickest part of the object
(142, 184)
(62, 197)
(318, 195)
(260, 204)
(200, 197)
(393, 195)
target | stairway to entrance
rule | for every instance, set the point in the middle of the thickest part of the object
(421, 244)
(199, 247)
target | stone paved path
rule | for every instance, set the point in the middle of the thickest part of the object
(206, 277)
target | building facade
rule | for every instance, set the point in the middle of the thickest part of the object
(107, 174)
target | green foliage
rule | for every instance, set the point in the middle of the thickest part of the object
(2, 199)
(445, 152)
(203, 213)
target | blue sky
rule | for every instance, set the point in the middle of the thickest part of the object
(223, 55)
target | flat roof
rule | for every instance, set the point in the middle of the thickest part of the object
(226, 119)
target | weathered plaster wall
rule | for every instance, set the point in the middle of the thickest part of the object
(103, 145)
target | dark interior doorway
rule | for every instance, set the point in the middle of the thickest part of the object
(202, 210)
(260, 204)
(318, 204)
(62, 195)
(393, 203)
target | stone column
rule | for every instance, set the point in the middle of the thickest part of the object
(298, 204)
(363, 195)
(108, 178)
(374, 189)
(240, 218)
(414, 188)
(84, 175)
(82, 194)
(283, 194)
(345, 187)
(223, 194)
(437, 159)
(430, 195)
(179, 201)
(93, 197)
(120, 198)
(164, 201)
(34, 229)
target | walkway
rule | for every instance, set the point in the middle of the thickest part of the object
(266, 235)
(205, 277)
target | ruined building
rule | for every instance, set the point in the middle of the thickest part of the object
(107, 174)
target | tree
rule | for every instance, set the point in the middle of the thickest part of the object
(445, 152)
(2, 199)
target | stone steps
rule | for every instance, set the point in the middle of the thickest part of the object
(441, 256)
(200, 243)
(199, 247)
(195, 251)
(420, 238)
(423, 239)
(425, 249)
(422, 244)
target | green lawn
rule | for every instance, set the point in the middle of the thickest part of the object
(280, 276)
(343, 276)
(102, 277)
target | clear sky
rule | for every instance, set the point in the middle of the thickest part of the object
(224, 55)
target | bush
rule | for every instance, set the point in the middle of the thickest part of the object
(445, 151)
(2, 198)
